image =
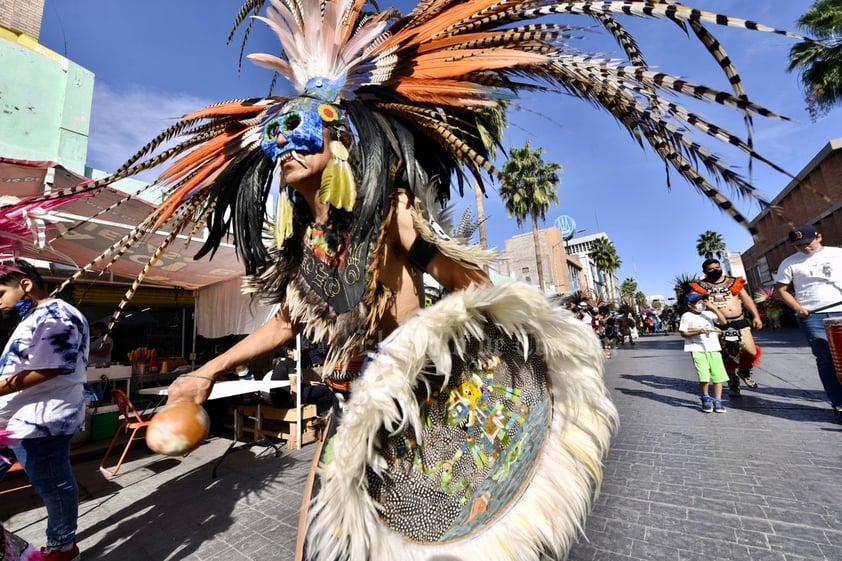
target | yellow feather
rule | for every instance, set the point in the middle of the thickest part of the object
(338, 187)
(283, 219)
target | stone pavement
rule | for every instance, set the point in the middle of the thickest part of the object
(762, 482)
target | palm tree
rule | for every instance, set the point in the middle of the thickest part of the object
(491, 122)
(820, 62)
(640, 299)
(604, 255)
(709, 244)
(528, 189)
(627, 289)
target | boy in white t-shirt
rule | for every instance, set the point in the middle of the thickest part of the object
(701, 338)
(42, 370)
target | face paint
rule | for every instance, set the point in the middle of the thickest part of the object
(301, 122)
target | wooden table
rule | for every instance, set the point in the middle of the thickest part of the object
(230, 389)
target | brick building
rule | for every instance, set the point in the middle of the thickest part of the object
(22, 15)
(813, 197)
(562, 272)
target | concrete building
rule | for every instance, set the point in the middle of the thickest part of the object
(45, 98)
(608, 287)
(563, 273)
(813, 197)
(656, 301)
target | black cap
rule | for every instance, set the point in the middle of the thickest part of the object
(803, 235)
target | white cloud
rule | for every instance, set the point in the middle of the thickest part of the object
(123, 121)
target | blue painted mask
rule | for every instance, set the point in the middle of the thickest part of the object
(301, 121)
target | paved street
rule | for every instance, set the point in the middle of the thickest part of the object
(762, 482)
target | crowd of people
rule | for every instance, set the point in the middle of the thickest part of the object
(717, 314)
(617, 328)
(721, 314)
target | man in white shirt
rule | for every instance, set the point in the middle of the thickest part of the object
(810, 282)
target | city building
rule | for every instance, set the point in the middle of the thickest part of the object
(46, 97)
(605, 286)
(563, 273)
(813, 197)
(46, 101)
(657, 301)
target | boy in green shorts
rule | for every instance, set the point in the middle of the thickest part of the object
(699, 328)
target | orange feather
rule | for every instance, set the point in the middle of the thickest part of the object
(409, 36)
(196, 157)
(447, 63)
(232, 108)
(171, 204)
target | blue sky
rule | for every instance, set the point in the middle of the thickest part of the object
(156, 60)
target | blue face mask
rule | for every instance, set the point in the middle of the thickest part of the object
(301, 121)
(23, 306)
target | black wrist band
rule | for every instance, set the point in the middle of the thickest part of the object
(422, 252)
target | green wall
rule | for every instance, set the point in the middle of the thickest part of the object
(45, 103)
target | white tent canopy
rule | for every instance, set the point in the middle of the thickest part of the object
(220, 307)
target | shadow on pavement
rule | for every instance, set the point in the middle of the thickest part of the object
(793, 406)
(663, 382)
(668, 386)
(183, 513)
(671, 343)
(663, 398)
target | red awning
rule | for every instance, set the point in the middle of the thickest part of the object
(77, 247)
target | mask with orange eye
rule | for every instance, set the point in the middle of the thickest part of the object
(301, 122)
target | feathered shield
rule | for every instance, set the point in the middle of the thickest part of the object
(478, 432)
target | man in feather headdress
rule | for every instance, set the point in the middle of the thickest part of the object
(334, 268)
(476, 427)
(731, 297)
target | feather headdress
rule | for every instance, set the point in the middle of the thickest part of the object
(412, 89)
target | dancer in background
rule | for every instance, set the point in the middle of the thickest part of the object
(731, 297)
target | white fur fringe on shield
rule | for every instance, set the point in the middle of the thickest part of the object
(549, 513)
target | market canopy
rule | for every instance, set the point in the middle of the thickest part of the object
(75, 248)
(220, 307)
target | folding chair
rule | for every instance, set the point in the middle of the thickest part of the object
(133, 421)
(15, 469)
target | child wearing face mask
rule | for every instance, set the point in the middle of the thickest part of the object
(699, 328)
(42, 370)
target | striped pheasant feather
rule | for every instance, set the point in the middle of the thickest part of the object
(426, 77)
